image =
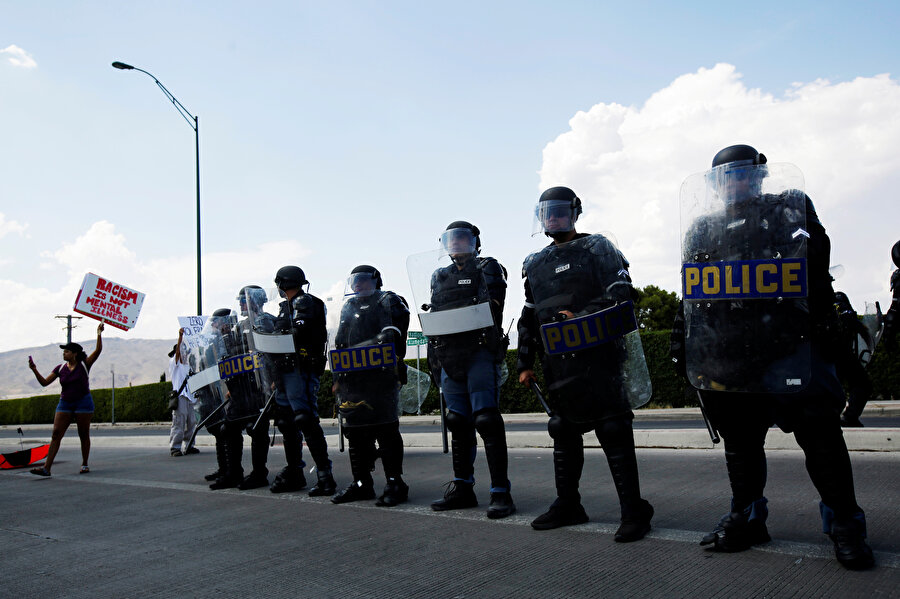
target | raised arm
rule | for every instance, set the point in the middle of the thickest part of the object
(43, 381)
(96, 353)
(178, 356)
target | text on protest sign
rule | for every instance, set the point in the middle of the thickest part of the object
(191, 325)
(109, 302)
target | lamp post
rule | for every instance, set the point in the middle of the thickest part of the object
(194, 122)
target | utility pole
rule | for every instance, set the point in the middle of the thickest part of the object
(69, 326)
(112, 370)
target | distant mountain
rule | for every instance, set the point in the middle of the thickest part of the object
(136, 361)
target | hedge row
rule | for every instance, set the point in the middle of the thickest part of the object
(147, 403)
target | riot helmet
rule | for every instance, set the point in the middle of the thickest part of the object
(363, 281)
(290, 277)
(842, 302)
(895, 254)
(252, 294)
(221, 322)
(461, 239)
(737, 173)
(556, 212)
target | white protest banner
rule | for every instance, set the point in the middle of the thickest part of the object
(109, 302)
(191, 325)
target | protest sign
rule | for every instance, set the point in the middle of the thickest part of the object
(191, 325)
(109, 302)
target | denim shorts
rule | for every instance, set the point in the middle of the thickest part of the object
(85, 405)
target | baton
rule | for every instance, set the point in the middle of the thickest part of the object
(713, 434)
(340, 431)
(540, 397)
(443, 421)
(203, 422)
(264, 410)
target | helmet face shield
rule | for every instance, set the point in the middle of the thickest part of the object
(361, 284)
(554, 216)
(458, 241)
(220, 324)
(737, 181)
(252, 297)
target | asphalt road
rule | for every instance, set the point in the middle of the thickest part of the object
(534, 423)
(143, 524)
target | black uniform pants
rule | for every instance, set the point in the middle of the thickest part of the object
(362, 440)
(743, 419)
(616, 437)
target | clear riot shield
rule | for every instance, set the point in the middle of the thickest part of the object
(270, 337)
(744, 279)
(415, 391)
(450, 296)
(453, 305)
(594, 362)
(241, 368)
(364, 365)
(205, 384)
(873, 320)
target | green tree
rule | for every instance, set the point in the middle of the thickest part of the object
(655, 308)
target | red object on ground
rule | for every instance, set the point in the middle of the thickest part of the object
(25, 457)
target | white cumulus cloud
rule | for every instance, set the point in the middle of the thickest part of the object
(19, 57)
(168, 282)
(11, 226)
(627, 164)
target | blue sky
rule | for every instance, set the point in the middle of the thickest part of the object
(339, 133)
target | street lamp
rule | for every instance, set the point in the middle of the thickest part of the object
(194, 122)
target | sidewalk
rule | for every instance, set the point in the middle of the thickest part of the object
(673, 437)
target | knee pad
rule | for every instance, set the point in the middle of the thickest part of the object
(457, 423)
(304, 419)
(489, 423)
(353, 434)
(615, 432)
(557, 428)
(284, 418)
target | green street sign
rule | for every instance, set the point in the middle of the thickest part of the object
(415, 335)
(422, 341)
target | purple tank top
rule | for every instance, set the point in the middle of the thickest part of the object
(74, 383)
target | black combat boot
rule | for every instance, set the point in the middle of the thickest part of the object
(739, 531)
(562, 512)
(568, 462)
(255, 480)
(459, 495)
(356, 491)
(221, 462)
(233, 473)
(395, 492)
(325, 485)
(635, 522)
(850, 548)
(501, 505)
(362, 460)
(291, 478)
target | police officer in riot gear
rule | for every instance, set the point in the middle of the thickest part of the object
(245, 399)
(216, 330)
(297, 384)
(850, 369)
(759, 348)
(250, 299)
(469, 372)
(892, 316)
(367, 384)
(577, 275)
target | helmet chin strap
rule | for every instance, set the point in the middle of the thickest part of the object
(461, 259)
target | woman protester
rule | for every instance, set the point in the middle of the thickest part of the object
(75, 401)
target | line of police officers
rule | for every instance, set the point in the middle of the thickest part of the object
(754, 336)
